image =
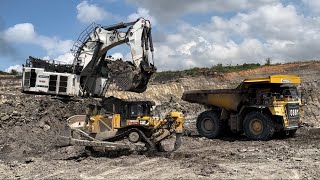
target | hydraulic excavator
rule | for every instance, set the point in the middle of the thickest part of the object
(91, 74)
(92, 70)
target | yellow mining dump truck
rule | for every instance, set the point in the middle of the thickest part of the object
(259, 107)
(123, 120)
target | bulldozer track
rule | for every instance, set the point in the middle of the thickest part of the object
(150, 144)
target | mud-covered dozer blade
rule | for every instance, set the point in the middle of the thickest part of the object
(73, 135)
(66, 134)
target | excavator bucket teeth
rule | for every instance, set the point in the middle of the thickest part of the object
(127, 77)
(124, 81)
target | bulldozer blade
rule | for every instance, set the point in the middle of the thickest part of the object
(171, 143)
(108, 146)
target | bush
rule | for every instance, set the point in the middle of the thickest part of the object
(219, 68)
(14, 72)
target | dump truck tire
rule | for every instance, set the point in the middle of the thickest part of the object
(209, 124)
(258, 126)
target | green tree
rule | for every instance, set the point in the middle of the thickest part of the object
(14, 72)
(268, 61)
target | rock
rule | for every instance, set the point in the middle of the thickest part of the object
(29, 160)
(15, 113)
(41, 124)
(4, 118)
(297, 159)
(46, 127)
(242, 150)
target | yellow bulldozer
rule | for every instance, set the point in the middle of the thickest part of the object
(258, 107)
(124, 125)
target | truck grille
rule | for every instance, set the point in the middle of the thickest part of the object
(293, 114)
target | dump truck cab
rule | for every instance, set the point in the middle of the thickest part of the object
(259, 107)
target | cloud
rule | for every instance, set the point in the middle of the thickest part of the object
(117, 55)
(21, 32)
(313, 5)
(88, 13)
(168, 10)
(66, 58)
(142, 12)
(6, 49)
(14, 67)
(274, 30)
(25, 33)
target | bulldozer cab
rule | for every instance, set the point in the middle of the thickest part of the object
(136, 109)
(128, 109)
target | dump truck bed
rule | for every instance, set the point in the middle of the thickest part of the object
(226, 98)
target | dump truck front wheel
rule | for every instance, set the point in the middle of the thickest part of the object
(258, 126)
(209, 124)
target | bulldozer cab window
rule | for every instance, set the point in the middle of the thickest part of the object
(138, 110)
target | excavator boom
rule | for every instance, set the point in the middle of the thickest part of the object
(91, 55)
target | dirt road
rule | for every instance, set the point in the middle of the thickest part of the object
(230, 158)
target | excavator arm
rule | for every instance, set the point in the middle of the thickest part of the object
(96, 70)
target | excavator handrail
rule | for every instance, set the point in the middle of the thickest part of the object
(82, 38)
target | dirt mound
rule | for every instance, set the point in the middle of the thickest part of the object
(30, 124)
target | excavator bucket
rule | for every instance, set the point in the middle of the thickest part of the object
(128, 77)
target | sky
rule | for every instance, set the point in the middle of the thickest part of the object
(186, 33)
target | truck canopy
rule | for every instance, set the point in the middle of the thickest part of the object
(283, 79)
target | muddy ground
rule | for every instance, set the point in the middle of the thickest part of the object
(198, 158)
(30, 125)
